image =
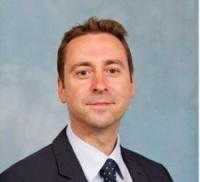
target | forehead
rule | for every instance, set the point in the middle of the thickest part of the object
(96, 45)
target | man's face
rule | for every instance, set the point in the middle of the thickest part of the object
(97, 87)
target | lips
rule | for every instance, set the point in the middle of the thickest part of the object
(100, 103)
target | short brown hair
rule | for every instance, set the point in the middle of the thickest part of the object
(93, 25)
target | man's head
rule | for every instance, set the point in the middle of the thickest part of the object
(95, 74)
(92, 26)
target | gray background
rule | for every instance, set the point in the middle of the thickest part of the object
(162, 120)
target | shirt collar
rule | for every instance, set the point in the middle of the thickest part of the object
(90, 158)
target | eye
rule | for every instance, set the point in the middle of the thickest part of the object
(82, 74)
(113, 71)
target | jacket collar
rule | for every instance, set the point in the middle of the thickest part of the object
(67, 162)
(69, 167)
(135, 170)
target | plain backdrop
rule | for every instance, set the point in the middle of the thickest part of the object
(162, 119)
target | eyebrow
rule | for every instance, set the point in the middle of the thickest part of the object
(85, 63)
(114, 61)
(89, 64)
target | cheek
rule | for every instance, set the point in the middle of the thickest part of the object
(122, 88)
(76, 90)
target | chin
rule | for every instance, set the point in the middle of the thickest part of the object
(102, 123)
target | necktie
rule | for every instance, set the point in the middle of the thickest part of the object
(108, 171)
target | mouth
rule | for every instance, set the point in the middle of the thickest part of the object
(100, 104)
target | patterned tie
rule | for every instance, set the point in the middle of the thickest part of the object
(108, 171)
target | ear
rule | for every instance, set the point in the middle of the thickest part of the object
(61, 91)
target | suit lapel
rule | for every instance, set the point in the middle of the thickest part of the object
(135, 170)
(68, 165)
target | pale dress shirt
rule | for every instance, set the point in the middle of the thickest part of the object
(91, 159)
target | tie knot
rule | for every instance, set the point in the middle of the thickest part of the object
(108, 171)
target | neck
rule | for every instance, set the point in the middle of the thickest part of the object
(104, 139)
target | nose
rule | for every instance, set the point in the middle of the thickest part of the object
(99, 84)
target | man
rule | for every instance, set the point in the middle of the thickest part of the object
(95, 81)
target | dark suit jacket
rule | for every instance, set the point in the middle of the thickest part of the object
(58, 163)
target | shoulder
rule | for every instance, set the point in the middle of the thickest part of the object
(134, 156)
(150, 167)
(28, 168)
